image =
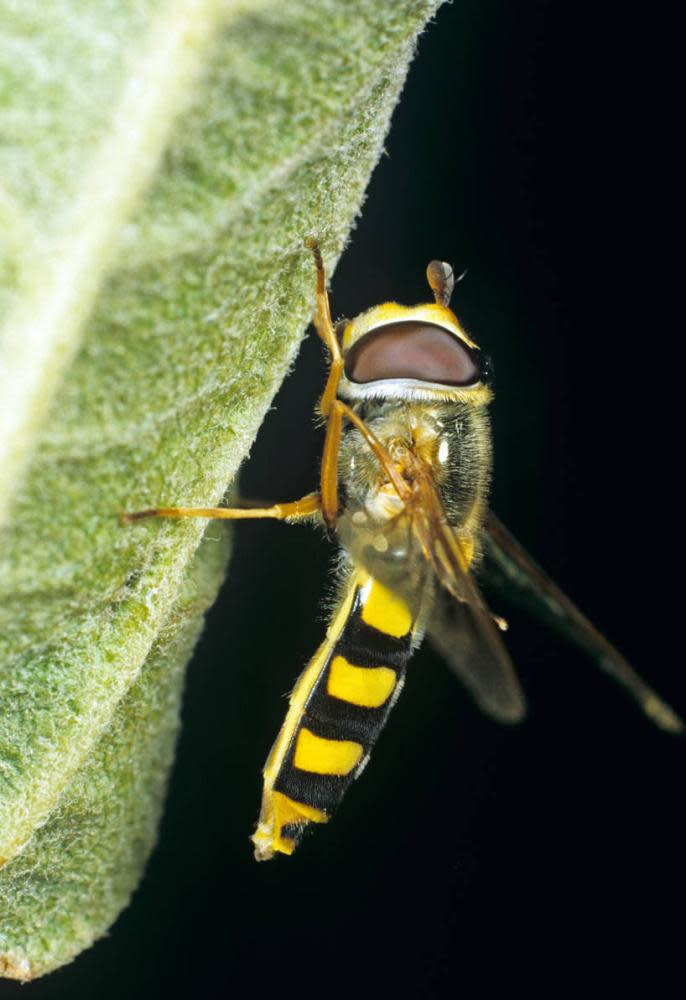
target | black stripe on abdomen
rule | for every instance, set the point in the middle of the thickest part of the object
(366, 665)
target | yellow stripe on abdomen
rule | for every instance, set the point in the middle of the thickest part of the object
(384, 610)
(312, 753)
(336, 712)
(368, 687)
(286, 812)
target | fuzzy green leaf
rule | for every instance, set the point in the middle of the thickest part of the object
(161, 161)
(79, 870)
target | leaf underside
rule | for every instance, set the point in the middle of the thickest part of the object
(161, 162)
(78, 871)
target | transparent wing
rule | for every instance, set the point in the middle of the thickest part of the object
(510, 568)
(491, 680)
(393, 557)
(419, 557)
(461, 627)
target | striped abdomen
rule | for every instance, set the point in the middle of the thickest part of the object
(337, 710)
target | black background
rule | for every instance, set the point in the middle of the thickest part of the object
(531, 146)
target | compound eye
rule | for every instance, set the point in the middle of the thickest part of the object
(411, 349)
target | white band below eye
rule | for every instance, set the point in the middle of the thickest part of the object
(409, 389)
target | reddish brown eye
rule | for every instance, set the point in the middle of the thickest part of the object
(413, 350)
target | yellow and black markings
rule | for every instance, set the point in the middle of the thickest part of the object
(408, 443)
(338, 708)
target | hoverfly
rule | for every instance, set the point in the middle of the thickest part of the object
(403, 485)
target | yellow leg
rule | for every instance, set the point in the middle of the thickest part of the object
(325, 328)
(331, 387)
(334, 410)
(402, 487)
(293, 511)
(329, 468)
(322, 317)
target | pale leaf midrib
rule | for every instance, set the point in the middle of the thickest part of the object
(44, 332)
(280, 175)
(242, 201)
(79, 446)
(140, 612)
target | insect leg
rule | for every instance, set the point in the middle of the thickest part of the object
(385, 459)
(329, 469)
(322, 317)
(292, 511)
(325, 329)
(334, 409)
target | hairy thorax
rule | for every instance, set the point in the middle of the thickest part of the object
(452, 439)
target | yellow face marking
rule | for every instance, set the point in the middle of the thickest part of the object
(384, 610)
(312, 753)
(369, 687)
